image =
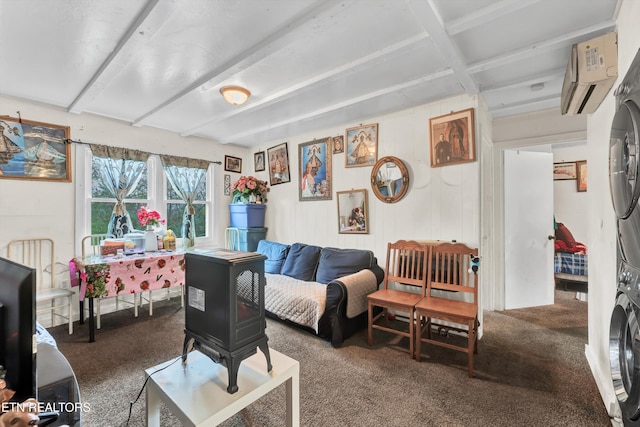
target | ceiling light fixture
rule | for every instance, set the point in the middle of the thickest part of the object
(235, 95)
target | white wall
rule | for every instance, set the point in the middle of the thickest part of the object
(442, 203)
(569, 205)
(47, 209)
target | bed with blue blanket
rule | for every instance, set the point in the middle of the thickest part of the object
(571, 267)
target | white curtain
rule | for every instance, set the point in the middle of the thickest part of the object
(119, 173)
(184, 176)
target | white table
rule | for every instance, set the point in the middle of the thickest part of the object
(196, 393)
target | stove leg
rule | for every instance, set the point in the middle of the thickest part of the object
(233, 364)
(264, 348)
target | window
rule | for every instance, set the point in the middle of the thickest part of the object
(95, 204)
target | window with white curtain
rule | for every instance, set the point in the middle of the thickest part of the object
(94, 205)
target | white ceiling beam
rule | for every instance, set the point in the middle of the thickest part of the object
(562, 41)
(486, 15)
(347, 103)
(516, 84)
(305, 84)
(526, 106)
(122, 53)
(427, 16)
(265, 47)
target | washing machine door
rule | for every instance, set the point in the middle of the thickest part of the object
(624, 358)
(624, 177)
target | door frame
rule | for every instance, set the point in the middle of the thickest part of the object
(495, 236)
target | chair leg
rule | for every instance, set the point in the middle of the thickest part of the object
(182, 296)
(135, 304)
(470, 347)
(70, 316)
(418, 336)
(475, 336)
(370, 325)
(150, 304)
(412, 325)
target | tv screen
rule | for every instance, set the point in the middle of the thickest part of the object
(18, 327)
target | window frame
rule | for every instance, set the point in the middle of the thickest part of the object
(156, 194)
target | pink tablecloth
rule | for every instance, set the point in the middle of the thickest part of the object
(104, 277)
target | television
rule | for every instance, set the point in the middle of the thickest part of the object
(18, 327)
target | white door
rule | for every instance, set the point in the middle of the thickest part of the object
(528, 224)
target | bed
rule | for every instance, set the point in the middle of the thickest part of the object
(571, 263)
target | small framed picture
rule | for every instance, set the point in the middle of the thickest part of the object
(233, 164)
(581, 175)
(452, 138)
(278, 158)
(565, 170)
(227, 184)
(258, 161)
(362, 146)
(337, 144)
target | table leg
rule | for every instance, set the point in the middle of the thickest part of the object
(293, 400)
(92, 326)
(81, 303)
(153, 408)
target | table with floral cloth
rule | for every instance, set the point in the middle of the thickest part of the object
(110, 276)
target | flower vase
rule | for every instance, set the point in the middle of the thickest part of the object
(150, 240)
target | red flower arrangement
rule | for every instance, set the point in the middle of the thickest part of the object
(247, 186)
(149, 217)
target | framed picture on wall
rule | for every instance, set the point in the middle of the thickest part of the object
(564, 170)
(353, 212)
(581, 175)
(278, 158)
(452, 138)
(258, 161)
(362, 145)
(233, 164)
(314, 165)
(34, 150)
(337, 144)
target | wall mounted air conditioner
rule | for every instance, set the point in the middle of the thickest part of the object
(591, 71)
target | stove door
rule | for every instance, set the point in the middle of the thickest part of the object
(624, 358)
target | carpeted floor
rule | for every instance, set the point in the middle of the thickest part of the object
(530, 370)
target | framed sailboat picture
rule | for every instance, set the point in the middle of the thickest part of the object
(34, 150)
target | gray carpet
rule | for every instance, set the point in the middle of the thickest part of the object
(530, 370)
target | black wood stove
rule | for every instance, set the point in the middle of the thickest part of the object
(224, 315)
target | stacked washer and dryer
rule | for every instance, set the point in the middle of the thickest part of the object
(624, 178)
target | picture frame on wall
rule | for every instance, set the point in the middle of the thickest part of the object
(232, 164)
(34, 150)
(278, 158)
(564, 170)
(581, 175)
(314, 166)
(337, 144)
(452, 138)
(227, 184)
(362, 145)
(258, 161)
(353, 212)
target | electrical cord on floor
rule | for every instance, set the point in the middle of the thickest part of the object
(131, 403)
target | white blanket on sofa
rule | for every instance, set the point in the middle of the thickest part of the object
(295, 300)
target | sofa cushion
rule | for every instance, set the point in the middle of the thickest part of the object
(335, 263)
(276, 254)
(302, 262)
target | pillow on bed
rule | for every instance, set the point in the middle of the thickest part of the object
(563, 234)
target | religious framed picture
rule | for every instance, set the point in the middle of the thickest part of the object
(314, 165)
(581, 175)
(258, 161)
(233, 164)
(353, 212)
(362, 145)
(34, 150)
(278, 158)
(337, 144)
(452, 138)
(564, 170)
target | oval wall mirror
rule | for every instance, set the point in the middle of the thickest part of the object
(389, 179)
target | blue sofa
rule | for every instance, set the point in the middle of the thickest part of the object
(321, 290)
